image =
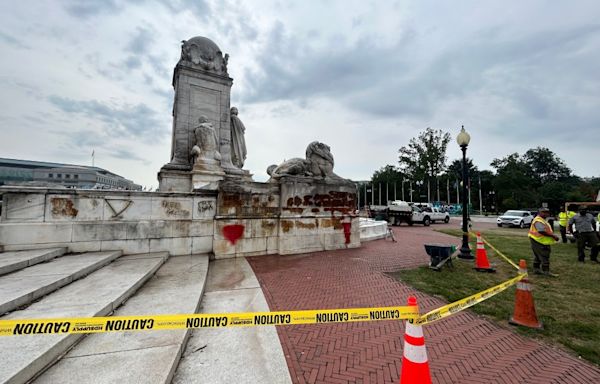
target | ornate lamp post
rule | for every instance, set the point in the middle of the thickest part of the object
(463, 140)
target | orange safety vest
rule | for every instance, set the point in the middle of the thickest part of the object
(535, 235)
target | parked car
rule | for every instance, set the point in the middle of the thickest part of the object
(515, 218)
(436, 214)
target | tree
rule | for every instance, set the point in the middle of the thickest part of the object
(388, 174)
(425, 156)
(513, 182)
(545, 165)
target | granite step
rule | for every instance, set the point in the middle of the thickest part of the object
(236, 354)
(128, 356)
(16, 260)
(99, 294)
(24, 286)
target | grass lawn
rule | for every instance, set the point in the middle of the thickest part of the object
(568, 306)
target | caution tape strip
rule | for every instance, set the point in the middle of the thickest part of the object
(220, 320)
(457, 306)
(204, 320)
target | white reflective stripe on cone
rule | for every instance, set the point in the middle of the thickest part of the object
(524, 286)
(415, 354)
(413, 330)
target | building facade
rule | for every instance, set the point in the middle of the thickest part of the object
(39, 173)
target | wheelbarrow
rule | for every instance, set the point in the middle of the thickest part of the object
(440, 254)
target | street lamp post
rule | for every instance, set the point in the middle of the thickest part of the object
(463, 140)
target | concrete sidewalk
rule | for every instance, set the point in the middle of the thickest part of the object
(462, 349)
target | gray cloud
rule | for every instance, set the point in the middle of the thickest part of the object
(200, 8)
(529, 71)
(127, 154)
(11, 40)
(90, 8)
(133, 121)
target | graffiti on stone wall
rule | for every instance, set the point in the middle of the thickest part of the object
(205, 206)
(173, 208)
(63, 207)
(233, 232)
(344, 202)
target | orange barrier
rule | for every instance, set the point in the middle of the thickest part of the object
(524, 313)
(415, 366)
(482, 264)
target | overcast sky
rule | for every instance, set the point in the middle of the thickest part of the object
(361, 76)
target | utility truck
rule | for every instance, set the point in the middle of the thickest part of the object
(399, 211)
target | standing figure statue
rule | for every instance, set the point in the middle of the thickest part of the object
(206, 147)
(238, 144)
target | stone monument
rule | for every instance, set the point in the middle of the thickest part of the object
(207, 202)
(202, 88)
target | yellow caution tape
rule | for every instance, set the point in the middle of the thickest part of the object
(220, 320)
(208, 320)
(467, 302)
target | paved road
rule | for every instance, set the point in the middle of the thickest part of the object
(462, 349)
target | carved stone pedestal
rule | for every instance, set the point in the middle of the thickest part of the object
(174, 181)
(206, 180)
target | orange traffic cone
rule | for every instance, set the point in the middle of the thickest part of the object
(415, 367)
(524, 313)
(482, 264)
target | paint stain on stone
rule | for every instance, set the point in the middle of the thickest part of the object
(334, 222)
(286, 225)
(231, 280)
(173, 208)
(300, 224)
(233, 232)
(63, 207)
(268, 226)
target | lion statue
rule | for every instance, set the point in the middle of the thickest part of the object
(318, 164)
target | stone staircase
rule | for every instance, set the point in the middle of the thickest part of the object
(52, 284)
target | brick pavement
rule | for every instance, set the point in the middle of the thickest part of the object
(462, 349)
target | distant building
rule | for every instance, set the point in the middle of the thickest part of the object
(39, 173)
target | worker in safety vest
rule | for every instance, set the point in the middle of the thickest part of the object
(541, 238)
(563, 220)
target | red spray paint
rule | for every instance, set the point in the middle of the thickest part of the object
(233, 232)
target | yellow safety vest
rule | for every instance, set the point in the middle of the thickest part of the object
(563, 218)
(535, 235)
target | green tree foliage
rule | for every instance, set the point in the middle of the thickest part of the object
(513, 181)
(425, 156)
(545, 165)
(388, 174)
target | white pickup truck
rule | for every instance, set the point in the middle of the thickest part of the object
(437, 215)
(400, 211)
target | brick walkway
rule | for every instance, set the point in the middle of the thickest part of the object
(462, 349)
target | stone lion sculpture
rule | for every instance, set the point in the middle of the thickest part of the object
(318, 163)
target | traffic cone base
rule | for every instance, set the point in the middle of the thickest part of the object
(524, 313)
(482, 264)
(415, 366)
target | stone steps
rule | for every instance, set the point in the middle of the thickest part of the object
(128, 356)
(24, 286)
(98, 294)
(16, 260)
(237, 354)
